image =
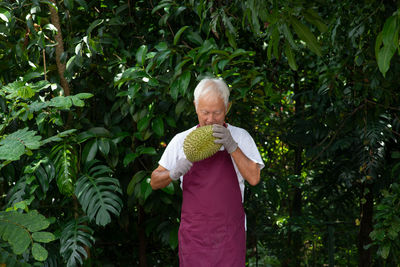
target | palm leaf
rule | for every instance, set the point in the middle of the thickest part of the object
(99, 194)
(74, 238)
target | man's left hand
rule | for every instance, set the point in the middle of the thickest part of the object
(225, 138)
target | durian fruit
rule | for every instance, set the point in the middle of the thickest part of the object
(199, 144)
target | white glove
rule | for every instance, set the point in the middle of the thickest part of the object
(225, 138)
(182, 166)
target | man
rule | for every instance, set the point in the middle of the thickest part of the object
(212, 228)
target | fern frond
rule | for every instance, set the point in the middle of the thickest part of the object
(74, 237)
(99, 193)
(65, 161)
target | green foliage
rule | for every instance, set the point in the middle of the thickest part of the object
(387, 42)
(10, 259)
(24, 230)
(97, 192)
(313, 83)
(387, 225)
(75, 237)
(65, 162)
(13, 146)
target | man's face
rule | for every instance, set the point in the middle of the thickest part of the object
(211, 110)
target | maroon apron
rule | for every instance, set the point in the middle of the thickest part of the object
(211, 232)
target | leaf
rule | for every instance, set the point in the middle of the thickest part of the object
(31, 75)
(313, 17)
(384, 250)
(162, 46)
(44, 237)
(5, 15)
(130, 158)
(93, 25)
(141, 55)
(180, 106)
(57, 137)
(143, 123)
(90, 150)
(288, 35)
(61, 102)
(18, 228)
(390, 31)
(145, 189)
(184, 81)
(104, 145)
(195, 38)
(75, 236)
(161, 6)
(65, 162)
(99, 193)
(39, 253)
(290, 56)
(173, 238)
(137, 178)
(146, 150)
(13, 146)
(306, 35)
(158, 126)
(174, 89)
(385, 55)
(70, 63)
(169, 189)
(179, 33)
(51, 28)
(378, 44)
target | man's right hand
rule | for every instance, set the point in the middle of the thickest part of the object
(181, 168)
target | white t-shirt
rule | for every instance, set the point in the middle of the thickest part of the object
(174, 151)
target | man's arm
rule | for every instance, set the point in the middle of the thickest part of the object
(160, 178)
(247, 168)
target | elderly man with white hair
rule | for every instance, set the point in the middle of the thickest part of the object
(212, 227)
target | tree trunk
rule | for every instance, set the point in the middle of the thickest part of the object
(142, 237)
(366, 226)
(55, 20)
(295, 240)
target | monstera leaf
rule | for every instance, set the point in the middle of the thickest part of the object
(99, 193)
(76, 235)
(24, 230)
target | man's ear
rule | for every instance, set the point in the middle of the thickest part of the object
(229, 107)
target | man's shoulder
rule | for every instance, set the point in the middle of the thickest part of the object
(237, 130)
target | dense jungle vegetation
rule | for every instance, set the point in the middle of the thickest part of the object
(92, 91)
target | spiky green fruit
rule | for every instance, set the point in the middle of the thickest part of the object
(199, 144)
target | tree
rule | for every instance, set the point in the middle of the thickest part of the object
(93, 90)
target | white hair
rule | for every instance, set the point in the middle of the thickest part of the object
(212, 85)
